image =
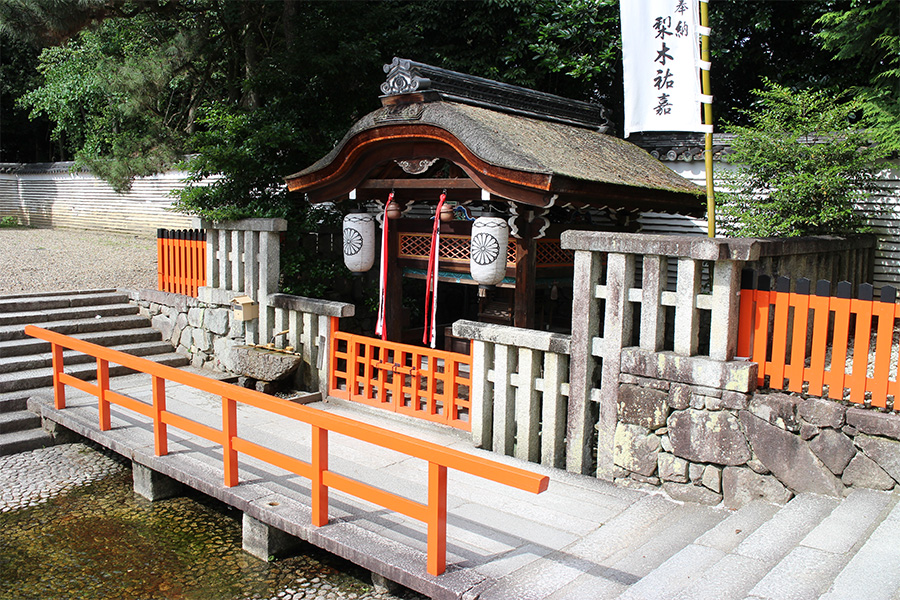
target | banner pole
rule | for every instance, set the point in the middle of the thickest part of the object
(707, 119)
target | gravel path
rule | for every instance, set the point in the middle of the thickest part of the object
(42, 260)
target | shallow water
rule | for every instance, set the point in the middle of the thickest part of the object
(102, 541)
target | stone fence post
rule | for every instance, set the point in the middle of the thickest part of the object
(243, 257)
(605, 297)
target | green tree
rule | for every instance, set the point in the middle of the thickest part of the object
(867, 36)
(801, 164)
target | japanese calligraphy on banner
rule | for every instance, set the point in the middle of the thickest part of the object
(661, 60)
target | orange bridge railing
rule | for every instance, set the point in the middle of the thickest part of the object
(434, 385)
(807, 342)
(433, 513)
(181, 260)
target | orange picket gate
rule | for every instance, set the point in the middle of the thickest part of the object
(439, 458)
(421, 382)
(808, 340)
(181, 260)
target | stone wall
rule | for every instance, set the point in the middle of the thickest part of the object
(713, 440)
(206, 332)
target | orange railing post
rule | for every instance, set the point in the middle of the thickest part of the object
(437, 518)
(229, 432)
(103, 384)
(319, 491)
(181, 260)
(59, 390)
(160, 429)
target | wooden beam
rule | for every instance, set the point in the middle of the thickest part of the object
(523, 304)
(418, 184)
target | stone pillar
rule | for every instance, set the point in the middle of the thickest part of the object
(585, 325)
(153, 485)
(264, 541)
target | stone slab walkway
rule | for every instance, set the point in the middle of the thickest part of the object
(583, 538)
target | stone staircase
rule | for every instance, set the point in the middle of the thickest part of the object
(102, 317)
(813, 547)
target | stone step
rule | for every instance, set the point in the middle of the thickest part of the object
(60, 314)
(686, 565)
(810, 568)
(18, 420)
(35, 378)
(872, 573)
(23, 441)
(70, 357)
(51, 294)
(102, 338)
(738, 571)
(37, 302)
(10, 333)
(625, 569)
(13, 401)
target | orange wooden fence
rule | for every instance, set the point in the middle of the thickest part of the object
(806, 342)
(433, 513)
(181, 260)
(421, 382)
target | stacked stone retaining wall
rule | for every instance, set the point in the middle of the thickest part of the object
(714, 440)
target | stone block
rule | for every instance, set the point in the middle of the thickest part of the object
(222, 349)
(834, 449)
(202, 340)
(664, 442)
(636, 449)
(714, 403)
(679, 396)
(153, 485)
(688, 492)
(822, 413)
(863, 472)
(642, 406)
(712, 478)
(163, 324)
(695, 472)
(737, 376)
(187, 338)
(789, 458)
(708, 437)
(698, 401)
(756, 466)
(264, 541)
(735, 400)
(216, 320)
(874, 423)
(779, 410)
(264, 365)
(741, 486)
(672, 468)
(883, 451)
(195, 317)
(807, 431)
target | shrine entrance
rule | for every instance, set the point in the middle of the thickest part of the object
(458, 189)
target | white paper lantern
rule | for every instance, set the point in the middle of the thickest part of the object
(487, 253)
(359, 242)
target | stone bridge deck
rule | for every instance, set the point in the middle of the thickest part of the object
(583, 538)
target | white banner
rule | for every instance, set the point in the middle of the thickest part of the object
(661, 60)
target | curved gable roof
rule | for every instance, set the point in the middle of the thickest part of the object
(517, 157)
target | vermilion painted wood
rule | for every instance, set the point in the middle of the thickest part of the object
(181, 261)
(795, 371)
(59, 390)
(781, 300)
(389, 375)
(103, 389)
(746, 322)
(857, 381)
(439, 458)
(815, 374)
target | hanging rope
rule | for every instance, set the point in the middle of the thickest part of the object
(380, 325)
(429, 335)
